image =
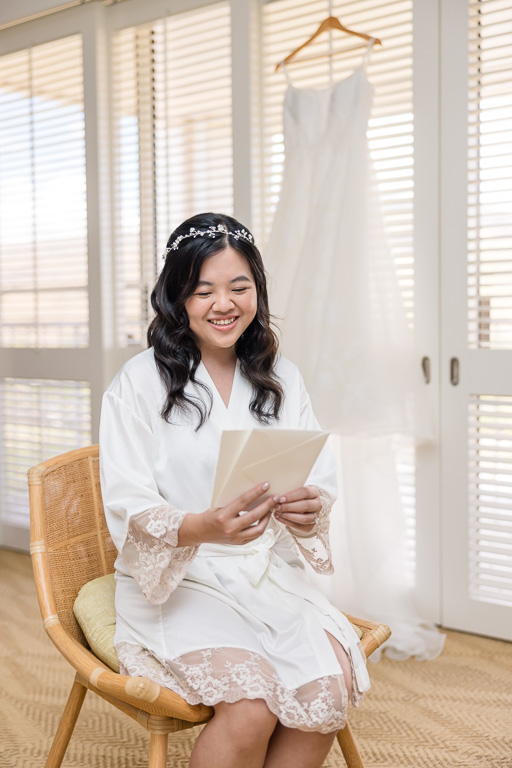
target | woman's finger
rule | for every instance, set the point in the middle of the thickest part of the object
(307, 492)
(242, 502)
(308, 505)
(255, 531)
(298, 519)
(247, 519)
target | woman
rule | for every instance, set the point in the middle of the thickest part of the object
(211, 603)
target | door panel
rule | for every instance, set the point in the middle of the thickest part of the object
(476, 321)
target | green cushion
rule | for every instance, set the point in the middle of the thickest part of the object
(95, 612)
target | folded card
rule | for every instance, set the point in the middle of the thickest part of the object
(282, 457)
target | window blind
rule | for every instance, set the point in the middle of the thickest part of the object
(43, 212)
(489, 294)
(286, 24)
(172, 101)
(39, 418)
(490, 175)
(490, 498)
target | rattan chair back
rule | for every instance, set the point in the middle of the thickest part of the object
(73, 527)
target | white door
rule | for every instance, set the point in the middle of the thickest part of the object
(476, 321)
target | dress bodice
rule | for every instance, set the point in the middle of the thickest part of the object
(313, 117)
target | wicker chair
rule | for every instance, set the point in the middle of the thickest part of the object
(70, 545)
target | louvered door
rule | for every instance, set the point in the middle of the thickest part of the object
(477, 316)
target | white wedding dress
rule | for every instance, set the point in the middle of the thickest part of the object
(335, 294)
(333, 281)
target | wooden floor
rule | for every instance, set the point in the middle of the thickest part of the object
(452, 712)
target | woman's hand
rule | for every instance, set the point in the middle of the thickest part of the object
(227, 525)
(298, 509)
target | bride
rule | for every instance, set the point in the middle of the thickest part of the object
(214, 604)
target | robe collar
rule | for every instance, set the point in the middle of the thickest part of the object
(236, 414)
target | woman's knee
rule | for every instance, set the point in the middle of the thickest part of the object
(249, 720)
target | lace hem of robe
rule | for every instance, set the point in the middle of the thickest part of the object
(316, 548)
(212, 675)
(152, 554)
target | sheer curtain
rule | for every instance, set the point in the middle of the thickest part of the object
(369, 528)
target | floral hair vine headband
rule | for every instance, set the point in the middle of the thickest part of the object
(210, 232)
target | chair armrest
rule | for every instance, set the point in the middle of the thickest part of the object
(140, 692)
(374, 635)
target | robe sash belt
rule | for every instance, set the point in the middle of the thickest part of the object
(256, 554)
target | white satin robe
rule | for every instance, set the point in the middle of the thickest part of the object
(217, 622)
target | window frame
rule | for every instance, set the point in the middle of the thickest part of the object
(87, 364)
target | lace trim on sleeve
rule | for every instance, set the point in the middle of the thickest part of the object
(152, 554)
(316, 547)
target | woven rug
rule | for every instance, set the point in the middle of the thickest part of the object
(452, 712)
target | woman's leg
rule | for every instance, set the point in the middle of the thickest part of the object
(236, 736)
(291, 748)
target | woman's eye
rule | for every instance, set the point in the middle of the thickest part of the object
(203, 295)
(239, 290)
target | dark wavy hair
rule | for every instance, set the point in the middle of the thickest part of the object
(176, 352)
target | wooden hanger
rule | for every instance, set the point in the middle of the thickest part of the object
(330, 23)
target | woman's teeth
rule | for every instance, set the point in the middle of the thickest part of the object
(224, 322)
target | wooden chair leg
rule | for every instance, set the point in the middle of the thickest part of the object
(158, 750)
(349, 748)
(67, 723)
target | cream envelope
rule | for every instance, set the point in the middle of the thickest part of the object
(282, 457)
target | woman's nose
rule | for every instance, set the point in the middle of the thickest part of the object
(223, 303)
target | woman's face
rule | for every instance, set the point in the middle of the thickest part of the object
(224, 301)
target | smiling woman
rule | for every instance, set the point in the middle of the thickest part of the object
(213, 272)
(214, 602)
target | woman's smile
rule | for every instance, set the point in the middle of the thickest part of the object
(225, 323)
